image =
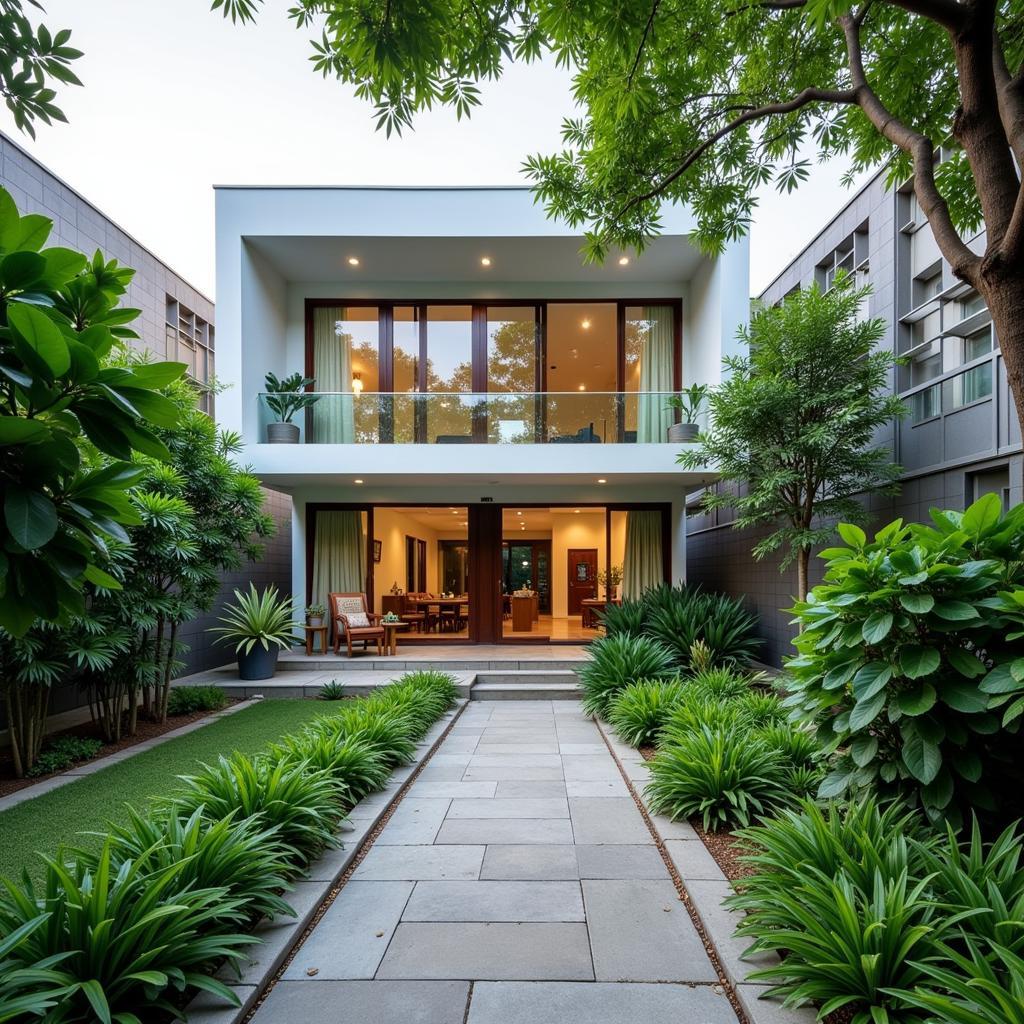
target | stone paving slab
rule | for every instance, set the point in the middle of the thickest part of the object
(693, 860)
(415, 822)
(641, 931)
(553, 862)
(517, 789)
(513, 807)
(416, 863)
(351, 938)
(510, 1002)
(358, 1002)
(513, 773)
(495, 901)
(598, 820)
(596, 787)
(491, 952)
(484, 831)
(620, 861)
(435, 788)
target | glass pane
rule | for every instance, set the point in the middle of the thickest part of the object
(406, 336)
(650, 367)
(972, 385)
(926, 404)
(449, 370)
(978, 345)
(512, 371)
(345, 362)
(581, 363)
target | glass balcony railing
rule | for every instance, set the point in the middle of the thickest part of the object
(534, 418)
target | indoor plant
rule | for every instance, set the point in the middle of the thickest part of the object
(610, 579)
(285, 398)
(261, 625)
(688, 403)
(315, 614)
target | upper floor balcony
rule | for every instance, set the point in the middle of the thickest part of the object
(451, 418)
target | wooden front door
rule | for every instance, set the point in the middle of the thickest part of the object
(582, 577)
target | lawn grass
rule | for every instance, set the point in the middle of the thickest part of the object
(44, 823)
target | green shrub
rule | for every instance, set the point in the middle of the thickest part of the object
(909, 655)
(762, 709)
(803, 780)
(357, 765)
(64, 752)
(693, 711)
(124, 943)
(303, 804)
(422, 697)
(186, 700)
(721, 683)
(627, 618)
(443, 685)
(798, 747)
(27, 989)
(332, 690)
(614, 663)
(638, 712)
(389, 731)
(724, 775)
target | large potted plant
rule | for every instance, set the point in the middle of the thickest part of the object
(260, 625)
(286, 397)
(688, 403)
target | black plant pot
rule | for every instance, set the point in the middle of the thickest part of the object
(258, 663)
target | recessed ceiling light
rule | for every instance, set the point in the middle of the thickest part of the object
(519, 513)
(623, 261)
(585, 324)
(485, 261)
(576, 510)
(601, 480)
(582, 387)
(353, 261)
(358, 481)
(454, 512)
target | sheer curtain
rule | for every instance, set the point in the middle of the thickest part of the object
(339, 555)
(333, 417)
(656, 374)
(642, 565)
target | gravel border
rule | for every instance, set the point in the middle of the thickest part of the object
(703, 887)
(97, 765)
(310, 897)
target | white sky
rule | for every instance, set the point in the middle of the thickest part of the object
(175, 100)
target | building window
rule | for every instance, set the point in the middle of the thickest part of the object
(970, 386)
(927, 286)
(850, 256)
(189, 340)
(926, 364)
(994, 480)
(978, 344)
(926, 404)
(971, 305)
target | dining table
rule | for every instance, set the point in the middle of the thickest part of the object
(427, 603)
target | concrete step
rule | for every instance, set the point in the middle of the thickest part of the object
(525, 691)
(371, 663)
(524, 677)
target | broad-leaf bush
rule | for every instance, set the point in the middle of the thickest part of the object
(614, 662)
(638, 712)
(911, 657)
(186, 700)
(723, 775)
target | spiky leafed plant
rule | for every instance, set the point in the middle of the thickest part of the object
(357, 765)
(680, 619)
(257, 618)
(638, 712)
(628, 617)
(389, 731)
(616, 661)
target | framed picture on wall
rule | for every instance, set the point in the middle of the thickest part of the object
(376, 550)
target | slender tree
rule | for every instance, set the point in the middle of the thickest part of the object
(794, 426)
(705, 101)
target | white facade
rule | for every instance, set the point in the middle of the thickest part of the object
(279, 247)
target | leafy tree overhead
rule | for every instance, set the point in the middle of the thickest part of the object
(794, 423)
(705, 102)
(60, 402)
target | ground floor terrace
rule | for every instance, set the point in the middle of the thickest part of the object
(518, 569)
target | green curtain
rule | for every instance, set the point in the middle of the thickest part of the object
(333, 416)
(642, 566)
(657, 366)
(339, 555)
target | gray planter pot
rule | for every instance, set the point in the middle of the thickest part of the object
(315, 620)
(282, 433)
(258, 663)
(683, 433)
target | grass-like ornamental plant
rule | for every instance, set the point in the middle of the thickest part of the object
(628, 618)
(332, 690)
(721, 683)
(257, 618)
(723, 775)
(797, 746)
(27, 990)
(388, 730)
(909, 653)
(357, 765)
(762, 709)
(303, 804)
(186, 700)
(123, 942)
(638, 712)
(617, 661)
(692, 711)
(243, 857)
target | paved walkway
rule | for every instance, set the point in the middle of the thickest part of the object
(516, 878)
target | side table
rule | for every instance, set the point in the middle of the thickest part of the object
(314, 631)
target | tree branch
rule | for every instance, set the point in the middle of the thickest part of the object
(948, 13)
(921, 150)
(802, 99)
(643, 41)
(1012, 247)
(1010, 98)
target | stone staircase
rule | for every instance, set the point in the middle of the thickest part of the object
(526, 684)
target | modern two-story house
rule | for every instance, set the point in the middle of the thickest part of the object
(491, 414)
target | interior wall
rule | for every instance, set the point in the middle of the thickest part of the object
(391, 526)
(585, 530)
(618, 539)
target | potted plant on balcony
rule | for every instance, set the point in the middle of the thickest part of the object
(610, 579)
(260, 625)
(285, 398)
(688, 403)
(315, 614)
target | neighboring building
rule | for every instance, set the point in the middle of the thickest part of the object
(492, 413)
(961, 438)
(176, 322)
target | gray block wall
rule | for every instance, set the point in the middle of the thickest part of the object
(939, 456)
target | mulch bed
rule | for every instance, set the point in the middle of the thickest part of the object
(144, 730)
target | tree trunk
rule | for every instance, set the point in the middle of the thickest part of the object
(803, 562)
(13, 731)
(1003, 291)
(165, 688)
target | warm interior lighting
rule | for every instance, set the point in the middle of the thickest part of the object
(485, 261)
(582, 387)
(358, 481)
(585, 324)
(602, 481)
(353, 261)
(519, 513)
(357, 383)
(576, 510)
(623, 261)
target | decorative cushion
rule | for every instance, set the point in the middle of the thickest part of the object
(348, 605)
(357, 620)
